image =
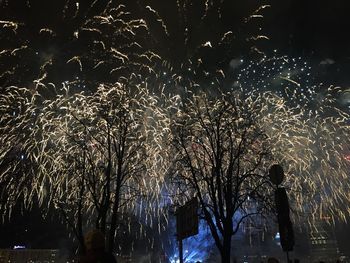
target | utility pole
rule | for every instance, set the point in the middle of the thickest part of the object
(181, 256)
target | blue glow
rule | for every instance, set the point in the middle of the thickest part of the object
(19, 247)
(195, 248)
(277, 235)
(278, 239)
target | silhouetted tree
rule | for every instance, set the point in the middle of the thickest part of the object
(221, 157)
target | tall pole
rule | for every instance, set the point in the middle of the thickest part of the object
(180, 251)
(288, 260)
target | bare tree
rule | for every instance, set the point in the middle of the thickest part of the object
(221, 158)
(99, 155)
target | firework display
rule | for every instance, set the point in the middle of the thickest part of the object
(107, 124)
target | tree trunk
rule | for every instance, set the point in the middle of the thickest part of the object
(112, 231)
(114, 217)
(80, 218)
(103, 221)
(226, 250)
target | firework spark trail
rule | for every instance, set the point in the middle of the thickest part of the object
(193, 64)
(107, 58)
(319, 135)
(29, 116)
(16, 118)
(315, 169)
(141, 118)
(276, 74)
(74, 126)
(310, 157)
(10, 24)
(118, 18)
(307, 143)
(125, 30)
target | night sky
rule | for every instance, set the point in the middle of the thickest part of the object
(297, 27)
(317, 30)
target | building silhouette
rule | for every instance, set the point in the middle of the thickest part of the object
(322, 241)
